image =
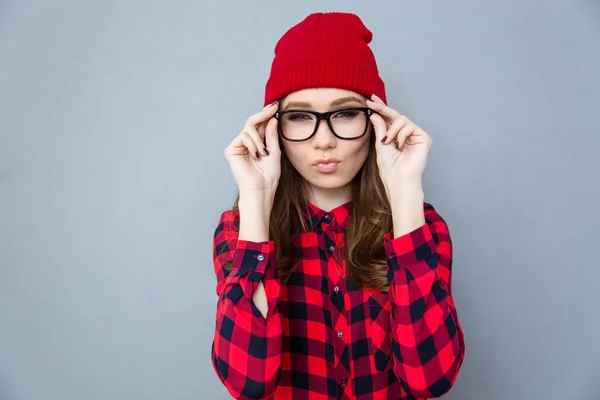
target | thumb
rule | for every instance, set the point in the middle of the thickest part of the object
(379, 126)
(271, 136)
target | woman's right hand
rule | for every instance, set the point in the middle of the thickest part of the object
(252, 171)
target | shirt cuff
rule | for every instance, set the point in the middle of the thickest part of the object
(251, 259)
(252, 255)
(410, 248)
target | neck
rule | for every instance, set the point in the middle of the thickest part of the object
(328, 199)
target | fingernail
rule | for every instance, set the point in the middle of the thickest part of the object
(265, 152)
(272, 104)
(384, 139)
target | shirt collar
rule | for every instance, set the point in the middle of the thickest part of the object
(314, 215)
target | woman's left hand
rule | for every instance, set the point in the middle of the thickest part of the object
(403, 154)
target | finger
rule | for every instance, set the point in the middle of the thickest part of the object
(271, 136)
(405, 132)
(261, 131)
(235, 148)
(383, 109)
(266, 113)
(394, 128)
(249, 144)
(379, 126)
(377, 98)
(253, 133)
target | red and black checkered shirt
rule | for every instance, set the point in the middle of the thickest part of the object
(325, 338)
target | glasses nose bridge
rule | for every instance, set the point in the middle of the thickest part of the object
(323, 117)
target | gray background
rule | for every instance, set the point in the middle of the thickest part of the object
(113, 120)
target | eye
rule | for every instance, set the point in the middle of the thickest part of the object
(346, 114)
(299, 116)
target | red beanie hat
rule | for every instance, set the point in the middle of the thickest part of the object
(325, 50)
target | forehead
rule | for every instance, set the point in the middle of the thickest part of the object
(322, 98)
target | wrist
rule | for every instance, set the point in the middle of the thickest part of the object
(256, 201)
(406, 201)
(405, 187)
(257, 194)
(255, 212)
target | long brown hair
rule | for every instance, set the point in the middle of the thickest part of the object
(369, 220)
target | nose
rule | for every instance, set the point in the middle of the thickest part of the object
(323, 138)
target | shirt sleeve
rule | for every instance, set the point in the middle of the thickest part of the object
(427, 340)
(247, 347)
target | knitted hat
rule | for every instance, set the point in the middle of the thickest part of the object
(325, 50)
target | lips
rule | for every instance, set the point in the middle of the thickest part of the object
(327, 167)
(326, 161)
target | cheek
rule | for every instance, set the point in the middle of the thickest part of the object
(362, 149)
(295, 153)
(361, 155)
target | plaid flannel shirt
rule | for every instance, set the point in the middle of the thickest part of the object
(325, 338)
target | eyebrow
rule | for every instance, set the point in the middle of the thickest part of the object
(304, 104)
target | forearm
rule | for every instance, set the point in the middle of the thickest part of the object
(249, 263)
(425, 323)
(426, 332)
(255, 210)
(232, 353)
(406, 201)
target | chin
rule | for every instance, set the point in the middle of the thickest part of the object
(329, 181)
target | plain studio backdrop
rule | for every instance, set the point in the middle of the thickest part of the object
(113, 120)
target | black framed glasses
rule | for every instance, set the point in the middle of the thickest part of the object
(345, 123)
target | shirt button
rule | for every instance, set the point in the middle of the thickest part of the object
(340, 334)
(392, 256)
(343, 381)
(332, 248)
(260, 257)
(327, 217)
(336, 289)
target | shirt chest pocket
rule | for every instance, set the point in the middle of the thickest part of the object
(379, 330)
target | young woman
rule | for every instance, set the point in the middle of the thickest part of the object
(334, 274)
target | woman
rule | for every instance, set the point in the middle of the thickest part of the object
(334, 275)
